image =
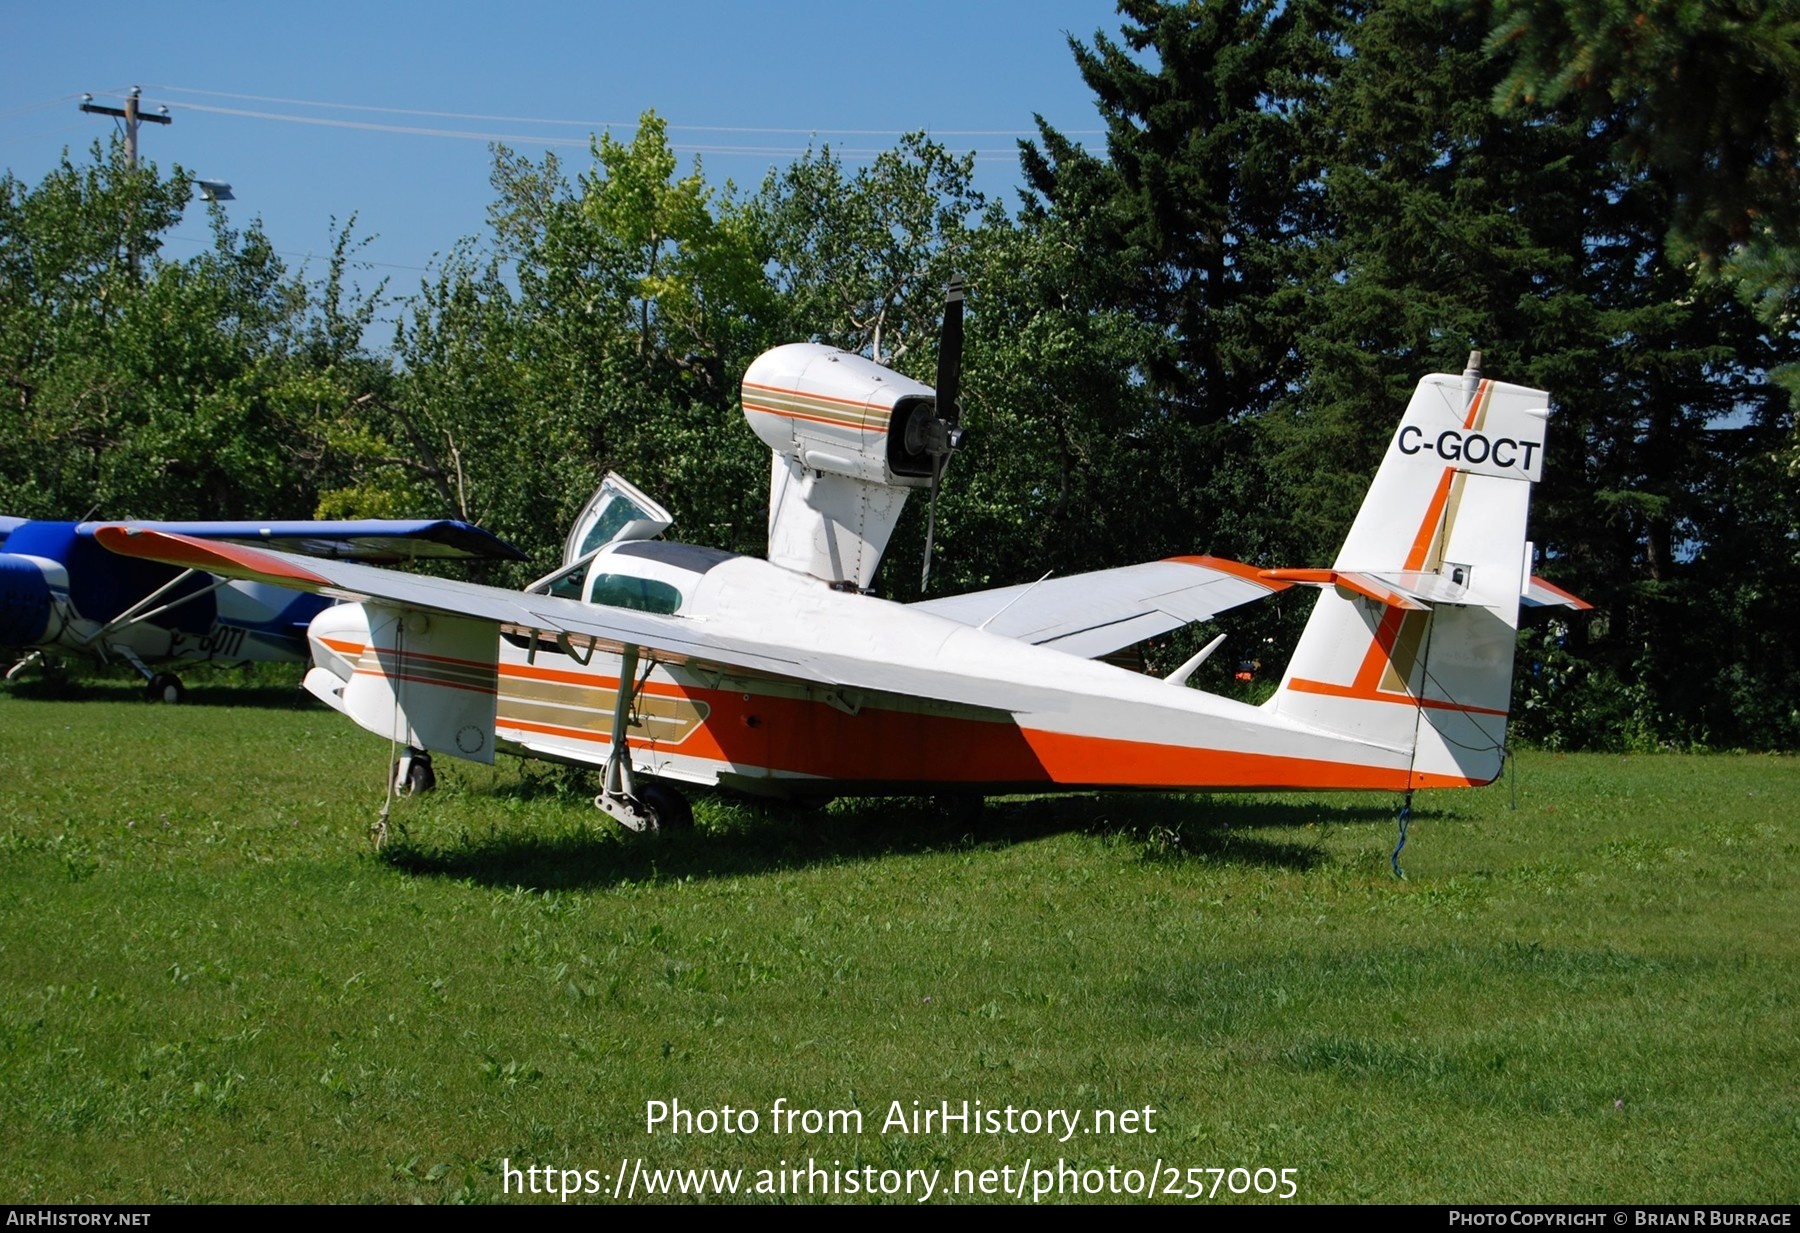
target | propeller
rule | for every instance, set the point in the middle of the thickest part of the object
(940, 433)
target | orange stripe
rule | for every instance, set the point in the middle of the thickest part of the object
(1104, 761)
(559, 676)
(1478, 406)
(1225, 565)
(364, 648)
(1421, 548)
(863, 426)
(424, 680)
(791, 393)
(484, 665)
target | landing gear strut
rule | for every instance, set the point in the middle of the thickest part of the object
(158, 686)
(646, 806)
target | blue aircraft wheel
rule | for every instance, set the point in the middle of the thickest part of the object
(165, 687)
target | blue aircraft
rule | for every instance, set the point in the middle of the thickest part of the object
(62, 595)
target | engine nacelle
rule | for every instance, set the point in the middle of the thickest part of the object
(29, 586)
(838, 413)
(846, 437)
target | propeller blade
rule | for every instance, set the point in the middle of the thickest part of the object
(946, 425)
(937, 472)
(950, 348)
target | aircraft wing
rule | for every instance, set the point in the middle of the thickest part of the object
(383, 541)
(670, 639)
(1094, 614)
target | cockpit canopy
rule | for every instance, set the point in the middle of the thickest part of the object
(643, 575)
(618, 511)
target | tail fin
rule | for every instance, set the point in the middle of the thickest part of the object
(1411, 644)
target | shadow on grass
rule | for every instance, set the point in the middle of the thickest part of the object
(741, 838)
(216, 692)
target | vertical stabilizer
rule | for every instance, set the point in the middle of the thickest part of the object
(1411, 644)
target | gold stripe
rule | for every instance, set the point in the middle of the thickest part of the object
(1408, 641)
(591, 708)
(789, 402)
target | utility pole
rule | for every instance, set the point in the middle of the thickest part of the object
(132, 117)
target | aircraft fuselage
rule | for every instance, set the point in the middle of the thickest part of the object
(1068, 722)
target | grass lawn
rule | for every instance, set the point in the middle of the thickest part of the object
(211, 989)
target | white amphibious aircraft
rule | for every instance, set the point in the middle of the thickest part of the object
(667, 664)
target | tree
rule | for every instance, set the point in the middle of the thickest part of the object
(861, 260)
(607, 332)
(142, 386)
(1703, 93)
(1310, 231)
(1538, 239)
(1208, 201)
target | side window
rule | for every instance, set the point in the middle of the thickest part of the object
(565, 583)
(568, 586)
(639, 594)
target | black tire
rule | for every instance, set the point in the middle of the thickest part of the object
(668, 808)
(420, 777)
(165, 687)
(961, 808)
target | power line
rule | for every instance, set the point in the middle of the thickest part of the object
(28, 108)
(414, 130)
(607, 124)
(307, 258)
(41, 134)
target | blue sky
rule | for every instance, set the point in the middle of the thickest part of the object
(317, 110)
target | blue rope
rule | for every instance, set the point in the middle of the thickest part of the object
(1405, 818)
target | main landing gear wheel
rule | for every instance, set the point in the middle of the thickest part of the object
(165, 687)
(961, 808)
(667, 808)
(414, 776)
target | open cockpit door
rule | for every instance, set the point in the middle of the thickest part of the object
(617, 511)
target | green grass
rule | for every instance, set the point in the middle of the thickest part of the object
(212, 989)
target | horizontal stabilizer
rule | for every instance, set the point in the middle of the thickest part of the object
(1354, 582)
(1094, 614)
(380, 541)
(1539, 593)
